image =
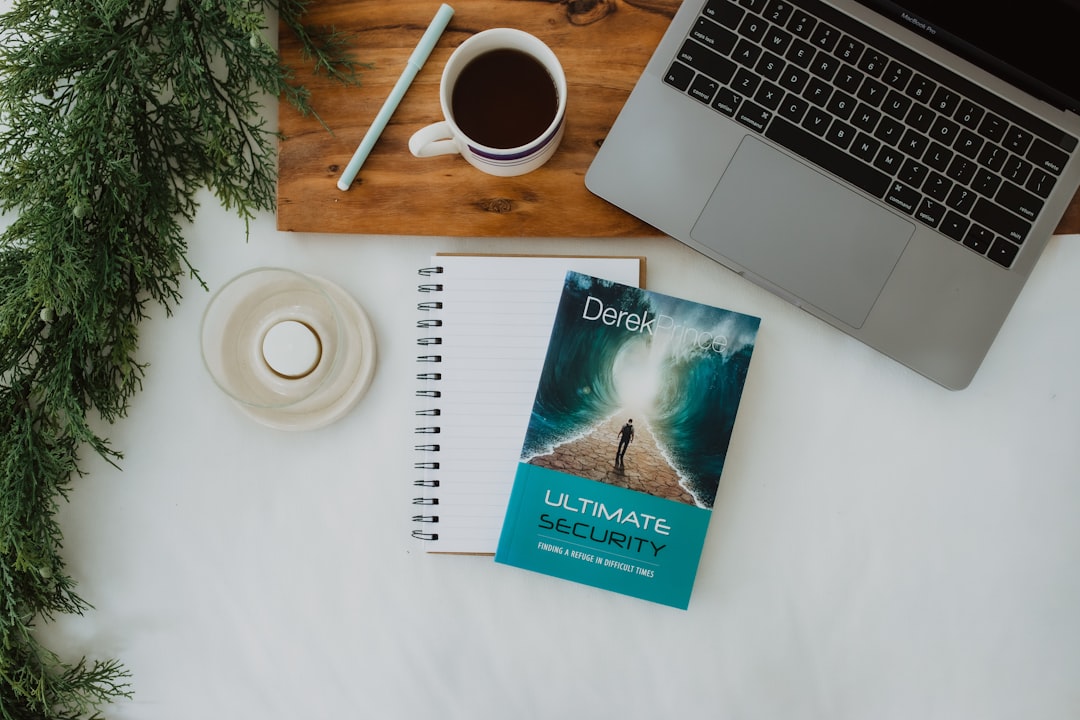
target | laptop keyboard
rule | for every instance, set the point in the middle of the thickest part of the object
(901, 128)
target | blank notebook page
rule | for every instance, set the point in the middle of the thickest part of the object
(482, 335)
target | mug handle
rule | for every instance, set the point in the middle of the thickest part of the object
(435, 139)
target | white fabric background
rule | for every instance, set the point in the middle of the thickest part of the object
(881, 548)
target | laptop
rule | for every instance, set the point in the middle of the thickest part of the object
(893, 168)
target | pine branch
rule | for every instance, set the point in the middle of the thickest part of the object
(113, 115)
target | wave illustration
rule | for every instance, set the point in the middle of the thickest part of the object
(685, 387)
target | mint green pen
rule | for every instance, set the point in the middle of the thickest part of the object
(412, 67)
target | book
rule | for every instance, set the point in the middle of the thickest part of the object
(482, 333)
(627, 439)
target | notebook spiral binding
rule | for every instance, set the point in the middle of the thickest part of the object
(427, 391)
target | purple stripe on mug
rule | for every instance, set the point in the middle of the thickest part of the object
(516, 154)
(513, 109)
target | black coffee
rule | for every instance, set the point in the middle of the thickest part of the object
(504, 98)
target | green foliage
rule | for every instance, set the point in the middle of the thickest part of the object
(113, 115)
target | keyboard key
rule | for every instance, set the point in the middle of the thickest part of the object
(777, 40)
(1003, 252)
(840, 134)
(1047, 157)
(769, 96)
(746, 53)
(889, 130)
(801, 24)
(985, 182)
(914, 143)
(754, 116)
(903, 197)
(1000, 220)
(705, 60)
(865, 117)
(960, 199)
(727, 101)
(896, 105)
(1040, 183)
(978, 239)
(945, 101)
(753, 27)
(713, 36)
(849, 50)
(993, 127)
(913, 173)
(818, 92)
(930, 212)
(993, 157)
(824, 66)
(944, 131)
(961, 169)
(920, 117)
(841, 105)
(827, 156)
(937, 186)
(817, 121)
(778, 12)
(938, 156)
(1016, 169)
(800, 53)
(848, 79)
(955, 225)
(770, 66)
(794, 79)
(968, 143)
(872, 62)
(1017, 139)
(724, 12)
(889, 160)
(872, 92)
(703, 88)
(793, 108)
(745, 82)
(921, 88)
(825, 37)
(1020, 201)
(679, 76)
(969, 114)
(865, 147)
(896, 75)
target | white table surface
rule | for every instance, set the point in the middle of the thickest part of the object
(880, 547)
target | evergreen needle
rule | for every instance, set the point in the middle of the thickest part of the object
(113, 115)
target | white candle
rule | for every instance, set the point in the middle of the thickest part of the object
(291, 349)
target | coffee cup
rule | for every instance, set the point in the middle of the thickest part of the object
(503, 98)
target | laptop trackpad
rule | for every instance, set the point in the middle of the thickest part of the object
(802, 231)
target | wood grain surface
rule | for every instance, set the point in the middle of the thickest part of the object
(603, 46)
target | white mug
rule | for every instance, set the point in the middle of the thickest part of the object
(447, 136)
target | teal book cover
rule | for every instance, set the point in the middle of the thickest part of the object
(627, 440)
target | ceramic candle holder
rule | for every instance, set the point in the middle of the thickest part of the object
(293, 351)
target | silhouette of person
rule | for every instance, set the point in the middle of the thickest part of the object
(626, 436)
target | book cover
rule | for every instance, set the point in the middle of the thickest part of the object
(627, 440)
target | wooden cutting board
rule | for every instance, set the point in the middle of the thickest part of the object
(603, 46)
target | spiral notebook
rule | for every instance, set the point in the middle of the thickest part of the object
(483, 329)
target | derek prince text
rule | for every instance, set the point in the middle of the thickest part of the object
(603, 536)
(651, 324)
